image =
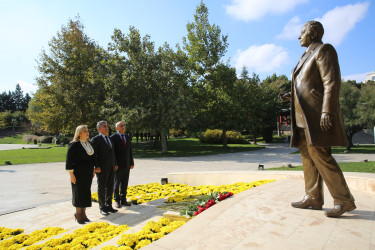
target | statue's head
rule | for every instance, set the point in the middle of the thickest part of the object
(311, 32)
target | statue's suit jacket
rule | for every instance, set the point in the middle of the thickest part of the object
(316, 80)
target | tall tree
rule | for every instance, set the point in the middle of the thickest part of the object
(350, 94)
(153, 93)
(205, 47)
(72, 81)
(249, 98)
(14, 100)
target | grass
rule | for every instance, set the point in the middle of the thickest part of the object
(27, 155)
(186, 147)
(14, 139)
(356, 149)
(363, 167)
(176, 148)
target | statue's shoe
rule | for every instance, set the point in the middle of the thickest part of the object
(338, 210)
(307, 202)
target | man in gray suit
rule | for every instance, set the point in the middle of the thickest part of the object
(104, 168)
(317, 121)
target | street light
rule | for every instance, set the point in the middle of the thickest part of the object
(13, 122)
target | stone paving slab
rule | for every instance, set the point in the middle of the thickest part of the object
(262, 218)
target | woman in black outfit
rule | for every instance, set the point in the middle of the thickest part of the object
(80, 161)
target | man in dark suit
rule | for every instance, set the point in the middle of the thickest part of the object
(125, 161)
(317, 121)
(105, 167)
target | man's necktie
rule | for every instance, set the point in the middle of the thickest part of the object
(109, 144)
(123, 140)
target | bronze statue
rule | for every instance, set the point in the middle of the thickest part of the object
(317, 121)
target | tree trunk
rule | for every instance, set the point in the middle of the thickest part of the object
(349, 135)
(225, 144)
(164, 149)
(255, 134)
(156, 140)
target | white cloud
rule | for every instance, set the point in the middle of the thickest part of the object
(339, 21)
(264, 58)
(292, 29)
(27, 87)
(247, 10)
(356, 77)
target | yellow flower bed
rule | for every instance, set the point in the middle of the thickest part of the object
(23, 240)
(89, 236)
(152, 231)
(7, 232)
(175, 192)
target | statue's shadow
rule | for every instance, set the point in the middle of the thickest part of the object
(358, 215)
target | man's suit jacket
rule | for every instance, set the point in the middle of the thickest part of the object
(124, 155)
(316, 80)
(105, 155)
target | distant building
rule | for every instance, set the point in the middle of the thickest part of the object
(370, 77)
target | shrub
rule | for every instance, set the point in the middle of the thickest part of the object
(216, 137)
(63, 139)
(45, 139)
(177, 132)
(30, 138)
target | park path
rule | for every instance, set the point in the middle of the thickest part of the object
(31, 185)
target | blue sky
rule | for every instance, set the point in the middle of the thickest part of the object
(262, 34)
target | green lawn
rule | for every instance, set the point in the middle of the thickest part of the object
(188, 147)
(357, 149)
(365, 167)
(176, 148)
(15, 139)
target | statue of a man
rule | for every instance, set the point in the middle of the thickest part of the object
(317, 121)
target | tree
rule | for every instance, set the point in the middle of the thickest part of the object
(220, 109)
(367, 104)
(71, 84)
(204, 44)
(15, 100)
(153, 92)
(248, 98)
(350, 94)
(271, 107)
(211, 79)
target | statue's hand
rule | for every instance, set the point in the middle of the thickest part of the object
(285, 97)
(326, 121)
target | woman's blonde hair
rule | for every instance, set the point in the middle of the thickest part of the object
(79, 130)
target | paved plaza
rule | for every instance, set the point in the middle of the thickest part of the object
(34, 196)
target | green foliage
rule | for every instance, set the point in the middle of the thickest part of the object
(204, 43)
(215, 136)
(362, 167)
(158, 80)
(14, 100)
(177, 132)
(10, 119)
(71, 82)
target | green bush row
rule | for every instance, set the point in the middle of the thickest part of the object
(215, 136)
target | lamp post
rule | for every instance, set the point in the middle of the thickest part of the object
(13, 122)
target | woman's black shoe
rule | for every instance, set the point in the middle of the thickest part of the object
(79, 221)
(86, 220)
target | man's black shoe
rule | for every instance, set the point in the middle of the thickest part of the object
(118, 205)
(103, 212)
(125, 203)
(111, 210)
